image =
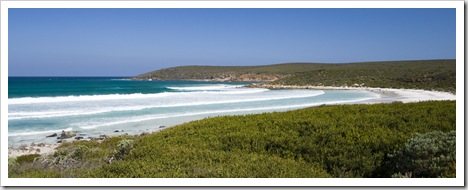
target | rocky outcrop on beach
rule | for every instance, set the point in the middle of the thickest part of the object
(53, 135)
(67, 135)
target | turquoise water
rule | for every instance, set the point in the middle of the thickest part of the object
(40, 106)
(75, 86)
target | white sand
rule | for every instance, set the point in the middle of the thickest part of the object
(35, 149)
(387, 95)
(408, 95)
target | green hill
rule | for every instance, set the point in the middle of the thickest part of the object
(424, 74)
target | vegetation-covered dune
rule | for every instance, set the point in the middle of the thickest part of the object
(377, 140)
(424, 74)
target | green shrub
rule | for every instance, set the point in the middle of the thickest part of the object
(79, 152)
(426, 155)
(28, 158)
(12, 162)
(123, 148)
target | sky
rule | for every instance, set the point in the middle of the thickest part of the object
(128, 42)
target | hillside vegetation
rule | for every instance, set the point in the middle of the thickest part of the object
(424, 74)
(326, 141)
(429, 75)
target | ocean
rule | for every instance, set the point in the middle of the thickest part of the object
(92, 106)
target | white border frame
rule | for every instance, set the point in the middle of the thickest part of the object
(458, 181)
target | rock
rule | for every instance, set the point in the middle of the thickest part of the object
(66, 135)
(53, 135)
(162, 126)
(78, 138)
(116, 131)
(96, 138)
(103, 136)
(61, 141)
(144, 133)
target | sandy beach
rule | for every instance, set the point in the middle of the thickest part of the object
(387, 95)
(42, 149)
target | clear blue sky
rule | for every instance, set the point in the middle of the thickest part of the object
(127, 42)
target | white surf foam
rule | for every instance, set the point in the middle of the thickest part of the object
(27, 133)
(87, 98)
(58, 99)
(12, 115)
(217, 112)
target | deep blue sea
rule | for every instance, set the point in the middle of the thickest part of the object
(40, 106)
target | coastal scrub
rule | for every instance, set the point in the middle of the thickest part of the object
(338, 141)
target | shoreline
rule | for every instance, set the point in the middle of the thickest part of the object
(41, 148)
(49, 148)
(386, 95)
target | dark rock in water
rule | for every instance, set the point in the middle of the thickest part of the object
(78, 138)
(66, 135)
(53, 135)
(81, 134)
(116, 131)
(162, 126)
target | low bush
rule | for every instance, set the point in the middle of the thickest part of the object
(28, 158)
(426, 155)
(12, 162)
(123, 148)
